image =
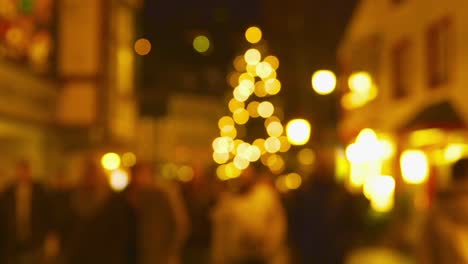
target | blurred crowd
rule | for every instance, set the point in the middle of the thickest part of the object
(243, 221)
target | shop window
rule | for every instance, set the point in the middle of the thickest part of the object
(401, 69)
(438, 52)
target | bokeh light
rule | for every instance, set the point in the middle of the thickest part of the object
(239, 64)
(293, 181)
(260, 144)
(272, 86)
(129, 159)
(186, 174)
(285, 145)
(275, 129)
(298, 131)
(220, 158)
(118, 180)
(142, 47)
(201, 44)
(272, 144)
(223, 144)
(273, 61)
(263, 70)
(260, 89)
(414, 166)
(234, 105)
(252, 108)
(252, 56)
(276, 164)
(324, 82)
(240, 162)
(306, 157)
(360, 83)
(253, 35)
(241, 116)
(110, 161)
(266, 109)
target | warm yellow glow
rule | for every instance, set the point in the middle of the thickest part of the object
(275, 129)
(225, 121)
(272, 86)
(387, 148)
(142, 47)
(380, 191)
(353, 100)
(253, 153)
(236, 145)
(239, 64)
(186, 173)
(276, 164)
(253, 35)
(246, 76)
(293, 181)
(360, 83)
(414, 166)
(260, 89)
(223, 144)
(306, 157)
(201, 44)
(260, 144)
(266, 109)
(455, 152)
(241, 93)
(264, 69)
(248, 86)
(233, 79)
(241, 116)
(234, 105)
(229, 131)
(110, 161)
(271, 119)
(253, 109)
(220, 158)
(273, 61)
(129, 159)
(232, 171)
(272, 145)
(251, 70)
(285, 145)
(280, 184)
(221, 173)
(241, 163)
(252, 56)
(118, 180)
(427, 137)
(298, 131)
(324, 82)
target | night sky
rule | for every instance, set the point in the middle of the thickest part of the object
(172, 25)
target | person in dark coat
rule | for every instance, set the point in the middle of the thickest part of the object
(24, 214)
(102, 224)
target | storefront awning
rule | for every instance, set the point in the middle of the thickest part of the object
(440, 115)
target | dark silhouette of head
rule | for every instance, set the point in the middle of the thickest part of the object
(460, 170)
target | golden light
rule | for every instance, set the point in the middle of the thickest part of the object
(272, 86)
(273, 61)
(225, 121)
(221, 173)
(353, 100)
(236, 145)
(414, 166)
(298, 131)
(263, 70)
(186, 174)
(201, 44)
(455, 152)
(360, 83)
(241, 163)
(248, 86)
(239, 64)
(251, 70)
(142, 46)
(220, 158)
(306, 157)
(129, 159)
(246, 76)
(222, 144)
(276, 164)
(243, 150)
(118, 180)
(293, 181)
(252, 108)
(253, 153)
(232, 171)
(324, 82)
(265, 109)
(253, 35)
(387, 148)
(275, 129)
(260, 89)
(233, 79)
(271, 119)
(252, 56)
(234, 105)
(241, 116)
(285, 145)
(380, 191)
(272, 145)
(241, 93)
(229, 131)
(110, 161)
(260, 144)
(280, 184)
(426, 137)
